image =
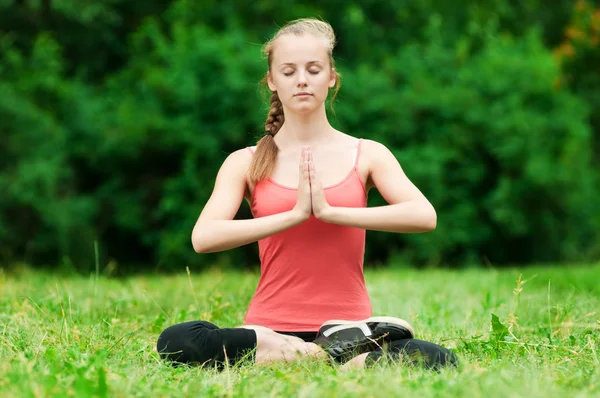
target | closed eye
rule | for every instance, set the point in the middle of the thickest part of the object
(312, 72)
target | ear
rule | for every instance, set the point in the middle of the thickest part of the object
(270, 82)
(332, 78)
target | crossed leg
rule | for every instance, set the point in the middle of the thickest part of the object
(203, 343)
(200, 342)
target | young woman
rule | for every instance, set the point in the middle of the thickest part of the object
(307, 186)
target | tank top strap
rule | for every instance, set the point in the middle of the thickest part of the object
(249, 148)
(357, 153)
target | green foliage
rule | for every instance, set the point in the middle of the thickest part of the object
(43, 212)
(499, 330)
(169, 118)
(503, 155)
(116, 118)
(580, 48)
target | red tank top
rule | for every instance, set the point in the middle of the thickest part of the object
(312, 272)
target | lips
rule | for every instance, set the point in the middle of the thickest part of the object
(303, 94)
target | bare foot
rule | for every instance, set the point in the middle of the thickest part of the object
(275, 347)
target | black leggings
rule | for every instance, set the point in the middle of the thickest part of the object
(203, 343)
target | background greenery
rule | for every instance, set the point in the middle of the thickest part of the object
(115, 117)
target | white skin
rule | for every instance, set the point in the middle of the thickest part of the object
(301, 65)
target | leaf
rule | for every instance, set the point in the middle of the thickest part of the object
(499, 330)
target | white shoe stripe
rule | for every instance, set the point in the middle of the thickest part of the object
(362, 326)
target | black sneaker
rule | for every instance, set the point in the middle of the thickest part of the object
(344, 340)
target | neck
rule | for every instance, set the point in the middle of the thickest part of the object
(305, 129)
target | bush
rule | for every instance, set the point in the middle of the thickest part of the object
(186, 99)
(43, 215)
(503, 154)
(479, 122)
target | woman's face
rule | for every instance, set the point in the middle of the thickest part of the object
(300, 72)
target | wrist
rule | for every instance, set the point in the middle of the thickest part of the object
(298, 217)
(326, 214)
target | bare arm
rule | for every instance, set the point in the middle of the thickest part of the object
(408, 210)
(216, 230)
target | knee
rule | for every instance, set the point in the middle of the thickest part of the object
(179, 343)
(170, 343)
(431, 355)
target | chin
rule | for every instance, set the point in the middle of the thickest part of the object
(305, 109)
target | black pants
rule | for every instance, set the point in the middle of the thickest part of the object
(203, 343)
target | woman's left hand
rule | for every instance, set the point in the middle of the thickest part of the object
(319, 201)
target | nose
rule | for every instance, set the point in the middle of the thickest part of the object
(301, 78)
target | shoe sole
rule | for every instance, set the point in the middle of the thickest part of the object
(388, 322)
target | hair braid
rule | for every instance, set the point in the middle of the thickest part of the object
(275, 118)
(265, 156)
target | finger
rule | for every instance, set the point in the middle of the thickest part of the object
(307, 175)
(306, 170)
(312, 171)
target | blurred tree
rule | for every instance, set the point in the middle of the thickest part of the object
(43, 216)
(579, 56)
(578, 50)
(115, 117)
(91, 34)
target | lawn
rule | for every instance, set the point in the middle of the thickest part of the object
(531, 331)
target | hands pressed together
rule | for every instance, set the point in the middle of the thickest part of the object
(311, 196)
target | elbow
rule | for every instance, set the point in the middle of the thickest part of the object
(432, 224)
(199, 244)
(430, 219)
(198, 248)
(205, 240)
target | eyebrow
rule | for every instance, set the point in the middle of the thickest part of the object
(293, 64)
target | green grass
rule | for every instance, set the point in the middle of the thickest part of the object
(96, 336)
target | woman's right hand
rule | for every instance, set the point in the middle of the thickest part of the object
(303, 202)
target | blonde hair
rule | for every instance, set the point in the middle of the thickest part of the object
(266, 149)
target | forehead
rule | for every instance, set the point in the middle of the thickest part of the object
(300, 49)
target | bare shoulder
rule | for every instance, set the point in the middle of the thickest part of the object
(372, 146)
(375, 153)
(234, 169)
(237, 161)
